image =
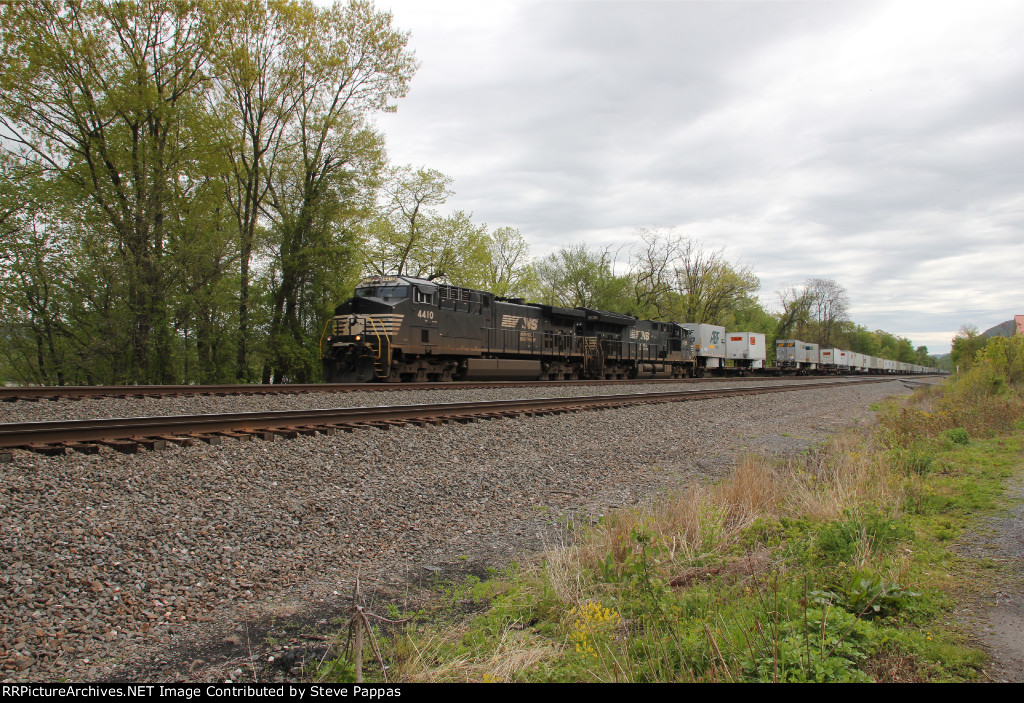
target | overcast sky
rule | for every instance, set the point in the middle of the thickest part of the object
(879, 144)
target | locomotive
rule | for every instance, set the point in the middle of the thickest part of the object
(400, 328)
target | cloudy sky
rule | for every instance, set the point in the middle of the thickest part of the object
(879, 144)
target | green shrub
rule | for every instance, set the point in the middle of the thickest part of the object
(912, 459)
(865, 531)
(867, 595)
(957, 435)
(817, 644)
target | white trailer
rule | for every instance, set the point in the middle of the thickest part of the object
(708, 345)
(746, 349)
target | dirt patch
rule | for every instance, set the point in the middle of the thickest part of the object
(997, 617)
(291, 640)
(732, 572)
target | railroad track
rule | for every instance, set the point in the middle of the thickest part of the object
(38, 393)
(129, 435)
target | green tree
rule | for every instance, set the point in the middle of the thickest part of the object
(905, 351)
(859, 338)
(258, 78)
(577, 276)
(106, 99)
(966, 344)
(351, 63)
(403, 238)
(794, 317)
(923, 357)
(508, 271)
(31, 291)
(296, 86)
(455, 250)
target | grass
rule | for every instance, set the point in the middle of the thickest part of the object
(835, 565)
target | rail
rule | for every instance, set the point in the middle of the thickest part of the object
(145, 431)
(38, 393)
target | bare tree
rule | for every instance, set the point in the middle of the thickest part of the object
(796, 308)
(829, 306)
(677, 277)
(652, 270)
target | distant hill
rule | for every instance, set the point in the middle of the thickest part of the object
(1003, 329)
(1006, 329)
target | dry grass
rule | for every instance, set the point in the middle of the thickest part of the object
(754, 490)
(848, 470)
(699, 521)
(890, 666)
(517, 651)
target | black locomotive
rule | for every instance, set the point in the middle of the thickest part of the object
(399, 328)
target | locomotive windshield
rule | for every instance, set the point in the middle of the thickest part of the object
(384, 292)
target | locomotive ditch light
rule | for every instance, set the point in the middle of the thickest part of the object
(358, 337)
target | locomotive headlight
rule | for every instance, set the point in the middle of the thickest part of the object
(358, 337)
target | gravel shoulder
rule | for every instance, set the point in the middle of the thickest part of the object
(154, 566)
(997, 618)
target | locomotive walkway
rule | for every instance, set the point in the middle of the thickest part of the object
(131, 434)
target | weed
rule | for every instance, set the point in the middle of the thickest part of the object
(865, 533)
(913, 459)
(591, 625)
(957, 435)
(867, 595)
(336, 671)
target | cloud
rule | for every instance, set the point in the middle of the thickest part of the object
(878, 144)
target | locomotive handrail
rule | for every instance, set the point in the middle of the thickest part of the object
(380, 344)
(324, 334)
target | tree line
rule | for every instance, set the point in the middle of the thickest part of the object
(189, 187)
(666, 275)
(185, 183)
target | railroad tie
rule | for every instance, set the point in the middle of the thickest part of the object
(340, 427)
(180, 441)
(307, 430)
(125, 447)
(208, 438)
(240, 436)
(326, 430)
(265, 435)
(286, 432)
(81, 448)
(47, 449)
(150, 443)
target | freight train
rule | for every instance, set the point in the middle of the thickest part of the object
(400, 328)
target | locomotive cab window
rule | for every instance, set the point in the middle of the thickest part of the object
(383, 292)
(420, 296)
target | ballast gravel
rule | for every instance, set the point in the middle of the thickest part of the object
(92, 408)
(119, 563)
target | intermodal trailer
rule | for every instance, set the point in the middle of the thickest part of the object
(746, 349)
